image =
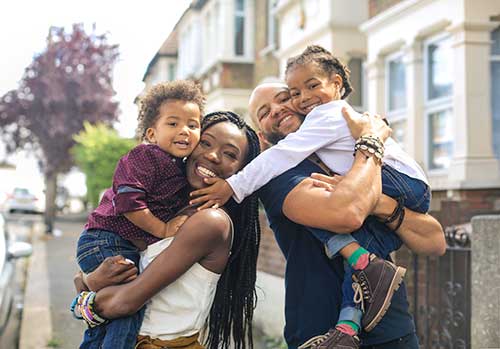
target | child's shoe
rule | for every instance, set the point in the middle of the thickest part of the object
(333, 339)
(374, 287)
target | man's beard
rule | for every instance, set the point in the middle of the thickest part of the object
(273, 137)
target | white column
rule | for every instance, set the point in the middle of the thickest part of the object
(415, 126)
(376, 86)
(473, 163)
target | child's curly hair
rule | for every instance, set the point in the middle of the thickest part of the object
(326, 62)
(150, 103)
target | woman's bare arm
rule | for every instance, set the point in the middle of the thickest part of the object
(201, 236)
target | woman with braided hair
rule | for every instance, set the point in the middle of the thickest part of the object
(207, 271)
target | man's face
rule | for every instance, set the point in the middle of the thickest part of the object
(270, 107)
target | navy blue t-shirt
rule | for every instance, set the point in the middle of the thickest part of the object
(313, 282)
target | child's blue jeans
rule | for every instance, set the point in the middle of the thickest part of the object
(416, 196)
(93, 247)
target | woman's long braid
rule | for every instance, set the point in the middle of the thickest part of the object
(235, 297)
(327, 62)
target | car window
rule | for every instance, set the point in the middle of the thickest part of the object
(21, 191)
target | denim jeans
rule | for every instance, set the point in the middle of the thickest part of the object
(416, 197)
(93, 247)
(409, 341)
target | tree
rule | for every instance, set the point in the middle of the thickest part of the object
(68, 83)
(97, 151)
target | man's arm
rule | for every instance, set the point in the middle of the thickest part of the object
(354, 198)
(422, 233)
(342, 210)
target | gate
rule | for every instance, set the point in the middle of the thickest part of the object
(441, 287)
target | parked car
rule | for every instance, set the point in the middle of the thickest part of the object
(10, 292)
(22, 200)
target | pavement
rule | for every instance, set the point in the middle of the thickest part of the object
(47, 322)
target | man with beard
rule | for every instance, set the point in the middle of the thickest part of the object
(294, 202)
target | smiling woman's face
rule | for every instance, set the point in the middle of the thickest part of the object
(221, 152)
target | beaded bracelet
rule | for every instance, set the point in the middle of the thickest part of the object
(370, 145)
(82, 307)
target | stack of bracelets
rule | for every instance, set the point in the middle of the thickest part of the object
(82, 308)
(370, 145)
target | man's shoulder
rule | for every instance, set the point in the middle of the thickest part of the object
(273, 194)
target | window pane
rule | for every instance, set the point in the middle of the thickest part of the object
(440, 74)
(495, 105)
(495, 46)
(240, 5)
(399, 132)
(441, 139)
(171, 72)
(356, 67)
(397, 84)
(239, 34)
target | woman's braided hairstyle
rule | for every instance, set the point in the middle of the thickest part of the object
(326, 61)
(235, 297)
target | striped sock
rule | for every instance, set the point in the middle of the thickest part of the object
(359, 259)
(348, 327)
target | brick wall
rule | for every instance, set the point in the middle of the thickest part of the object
(271, 260)
(377, 6)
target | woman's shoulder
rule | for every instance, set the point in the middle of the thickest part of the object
(212, 223)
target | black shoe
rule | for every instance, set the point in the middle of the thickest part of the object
(374, 287)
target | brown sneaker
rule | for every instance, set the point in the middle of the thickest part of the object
(333, 339)
(374, 287)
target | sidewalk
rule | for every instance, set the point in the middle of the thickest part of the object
(47, 322)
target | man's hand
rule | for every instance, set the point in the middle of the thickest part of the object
(366, 124)
(216, 195)
(327, 182)
(173, 225)
(112, 271)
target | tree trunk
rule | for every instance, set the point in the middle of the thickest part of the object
(50, 201)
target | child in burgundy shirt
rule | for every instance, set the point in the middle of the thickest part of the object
(149, 188)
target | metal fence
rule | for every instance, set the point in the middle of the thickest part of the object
(440, 289)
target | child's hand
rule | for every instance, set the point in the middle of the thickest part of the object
(216, 195)
(173, 225)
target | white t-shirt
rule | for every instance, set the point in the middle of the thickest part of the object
(324, 132)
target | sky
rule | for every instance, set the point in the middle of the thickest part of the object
(138, 27)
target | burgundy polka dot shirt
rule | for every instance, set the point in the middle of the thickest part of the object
(146, 177)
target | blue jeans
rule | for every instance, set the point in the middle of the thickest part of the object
(410, 341)
(416, 196)
(93, 247)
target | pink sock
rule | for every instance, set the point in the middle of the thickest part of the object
(362, 262)
(344, 328)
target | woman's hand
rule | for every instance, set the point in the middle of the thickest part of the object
(112, 271)
(79, 283)
(366, 124)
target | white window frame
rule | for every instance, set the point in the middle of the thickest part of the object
(364, 84)
(398, 115)
(493, 59)
(434, 105)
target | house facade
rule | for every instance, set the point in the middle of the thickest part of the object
(431, 66)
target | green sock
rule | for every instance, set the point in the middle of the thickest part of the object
(356, 255)
(346, 326)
